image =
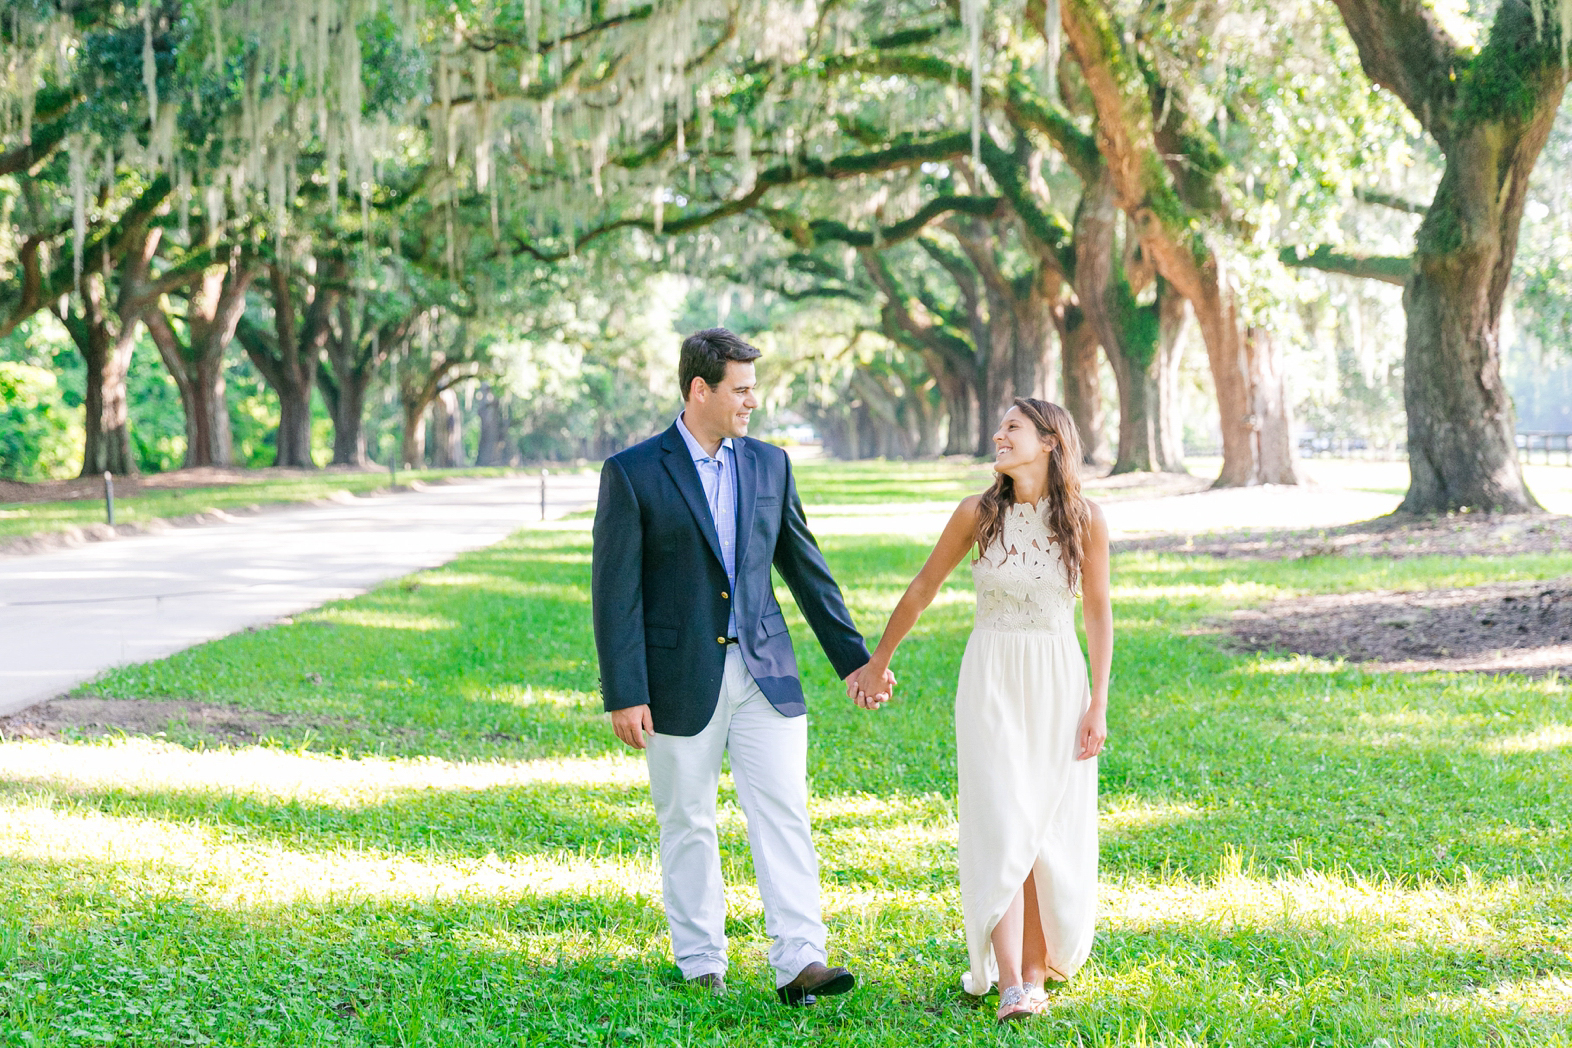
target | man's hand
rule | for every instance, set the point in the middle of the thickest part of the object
(632, 724)
(870, 689)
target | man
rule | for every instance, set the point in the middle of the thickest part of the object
(695, 660)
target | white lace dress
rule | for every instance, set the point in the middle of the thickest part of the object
(1026, 804)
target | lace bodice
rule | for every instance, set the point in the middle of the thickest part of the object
(1020, 580)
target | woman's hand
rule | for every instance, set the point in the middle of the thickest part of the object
(871, 687)
(1092, 732)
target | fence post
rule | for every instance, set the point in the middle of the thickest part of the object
(542, 494)
(109, 497)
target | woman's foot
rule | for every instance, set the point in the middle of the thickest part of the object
(1036, 995)
(1014, 1004)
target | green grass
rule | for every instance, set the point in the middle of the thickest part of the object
(447, 846)
(261, 488)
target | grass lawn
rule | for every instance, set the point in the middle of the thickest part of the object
(265, 487)
(444, 845)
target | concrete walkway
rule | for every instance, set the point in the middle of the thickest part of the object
(67, 615)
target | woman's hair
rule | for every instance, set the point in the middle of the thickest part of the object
(1067, 512)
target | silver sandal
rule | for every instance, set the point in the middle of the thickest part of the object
(1014, 1004)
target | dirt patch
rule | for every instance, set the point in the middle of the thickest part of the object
(1504, 627)
(79, 718)
(1394, 536)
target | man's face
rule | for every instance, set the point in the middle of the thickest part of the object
(724, 410)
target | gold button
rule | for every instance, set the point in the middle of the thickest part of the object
(725, 595)
(720, 640)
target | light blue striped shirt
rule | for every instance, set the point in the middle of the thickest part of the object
(718, 474)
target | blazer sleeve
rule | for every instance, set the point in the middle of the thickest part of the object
(617, 592)
(800, 563)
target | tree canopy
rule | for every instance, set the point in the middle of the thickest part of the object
(482, 223)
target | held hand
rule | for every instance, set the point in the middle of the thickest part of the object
(1091, 733)
(632, 724)
(870, 689)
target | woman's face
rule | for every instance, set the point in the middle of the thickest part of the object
(1018, 445)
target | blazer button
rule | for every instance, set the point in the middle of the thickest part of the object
(720, 640)
(725, 595)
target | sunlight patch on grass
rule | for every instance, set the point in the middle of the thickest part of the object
(145, 765)
(1470, 912)
(370, 618)
(1293, 665)
(1550, 996)
(1550, 737)
(1135, 815)
(869, 807)
(1220, 591)
(529, 695)
(229, 872)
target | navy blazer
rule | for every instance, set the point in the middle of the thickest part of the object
(661, 595)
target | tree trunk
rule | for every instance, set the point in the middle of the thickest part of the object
(1274, 426)
(293, 447)
(493, 450)
(213, 310)
(209, 441)
(447, 431)
(1082, 396)
(1462, 449)
(413, 450)
(1490, 114)
(1128, 331)
(1173, 324)
(1033, 322)
(106, 348)
(1248, 380)
(349, 421)
(289, 357)
(1252, 403)
(107, 426)
(960, 408)
(1137, 414)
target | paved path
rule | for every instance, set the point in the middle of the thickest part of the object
(67, 615)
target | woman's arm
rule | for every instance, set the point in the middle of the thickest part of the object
(959, 534)
(1097, 614)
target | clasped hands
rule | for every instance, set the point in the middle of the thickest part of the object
(871, 687)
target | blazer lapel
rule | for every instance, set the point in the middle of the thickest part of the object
(679, 463)
(747, 493)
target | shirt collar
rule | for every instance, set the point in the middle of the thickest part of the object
(694, 447)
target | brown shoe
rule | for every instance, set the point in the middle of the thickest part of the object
(711, 981)
(815, 981)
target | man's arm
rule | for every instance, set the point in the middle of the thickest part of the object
(800, 563)
(617, 602)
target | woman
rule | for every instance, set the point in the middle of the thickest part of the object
(1028, 728)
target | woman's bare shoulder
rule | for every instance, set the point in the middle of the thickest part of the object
(969, 507)
(1096, 522)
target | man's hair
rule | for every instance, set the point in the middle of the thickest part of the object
(705, 355)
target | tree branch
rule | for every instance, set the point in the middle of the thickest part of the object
(1396, 203)
(801, 169)
(1403, 47)
(1389, 269)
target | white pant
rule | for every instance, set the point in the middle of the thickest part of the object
(769, 759)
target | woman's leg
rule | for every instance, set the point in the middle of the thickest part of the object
(1006, 941)
(1034, 948)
